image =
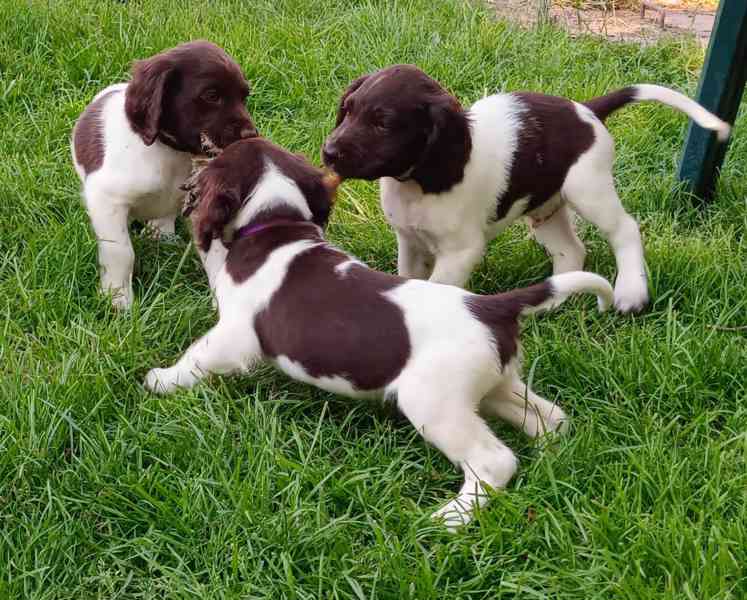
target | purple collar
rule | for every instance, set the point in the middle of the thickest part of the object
(250, 229)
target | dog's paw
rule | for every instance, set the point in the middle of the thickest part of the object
(163, 230)
(160, 381)
(631, 294)
(453, 516)
(121, 298)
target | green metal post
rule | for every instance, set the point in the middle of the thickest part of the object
(720, 90)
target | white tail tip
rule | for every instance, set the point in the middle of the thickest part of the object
(577, 282)
(703, 117)
(723, 131)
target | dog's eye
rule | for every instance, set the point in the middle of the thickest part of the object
(211, 96)
(378, 121)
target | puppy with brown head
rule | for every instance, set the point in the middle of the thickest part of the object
(288, 297)
(133, 144)
(452, 179)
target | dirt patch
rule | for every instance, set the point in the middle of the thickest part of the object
(600, 17)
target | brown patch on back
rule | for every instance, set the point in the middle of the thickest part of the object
(551, 139)
(336, 324)
(500, 313)
(88, 136)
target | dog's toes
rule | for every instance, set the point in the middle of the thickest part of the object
(122, 300)
(452, 516)
(630, 298)
(158, 381)
(631, 305)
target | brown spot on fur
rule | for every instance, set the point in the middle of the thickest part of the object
(248, 254)
(88, 135)
(336, 324)
(551, 139)
(500, 313)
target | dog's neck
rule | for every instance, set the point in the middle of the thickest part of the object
(280, 216)
(441, 166)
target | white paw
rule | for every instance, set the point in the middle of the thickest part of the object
(160, 381)
(631, 294)
(121, 298)
(454, 515)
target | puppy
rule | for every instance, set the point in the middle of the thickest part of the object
(451, 179)
(288, 297)
(132, 147)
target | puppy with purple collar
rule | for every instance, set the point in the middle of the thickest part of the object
(133, 147)
(446, 356)
(452, 179)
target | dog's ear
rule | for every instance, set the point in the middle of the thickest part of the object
(215, 210)
(145, 95)
(446, 125)
(319, 189)
(341, 112)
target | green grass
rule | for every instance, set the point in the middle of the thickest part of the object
(258, 487)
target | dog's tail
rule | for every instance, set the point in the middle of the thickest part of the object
(603, 106)
(554, 291)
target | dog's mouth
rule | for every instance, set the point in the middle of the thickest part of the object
(210, 150)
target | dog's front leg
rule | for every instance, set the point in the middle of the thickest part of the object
(116, 257)
(454, 267)
(212, 261)
(163, 228)
(413, 261)
(221, 350)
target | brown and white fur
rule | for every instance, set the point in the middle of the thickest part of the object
(287, 296)
(133, 144)
(451, 179)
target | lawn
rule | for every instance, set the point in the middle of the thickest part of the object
(258, 487)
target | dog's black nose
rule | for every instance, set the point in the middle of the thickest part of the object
(330, 153)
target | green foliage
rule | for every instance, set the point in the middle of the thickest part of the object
(258, 487)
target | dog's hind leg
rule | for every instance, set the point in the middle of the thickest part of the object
(221, 350)
(446, 418)
(590, 189)
(557, 234)
(514, 402)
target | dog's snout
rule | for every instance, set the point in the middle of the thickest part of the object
(330, 152)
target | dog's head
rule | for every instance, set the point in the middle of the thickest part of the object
(397, 122)
(193, 89)
(264, 182)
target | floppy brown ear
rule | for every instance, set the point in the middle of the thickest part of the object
(212, 215)
(351, 88)
(448, 125)
(145, 95)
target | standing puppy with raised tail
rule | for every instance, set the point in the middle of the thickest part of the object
(132, 148)
(286, 296)
(452, 179)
